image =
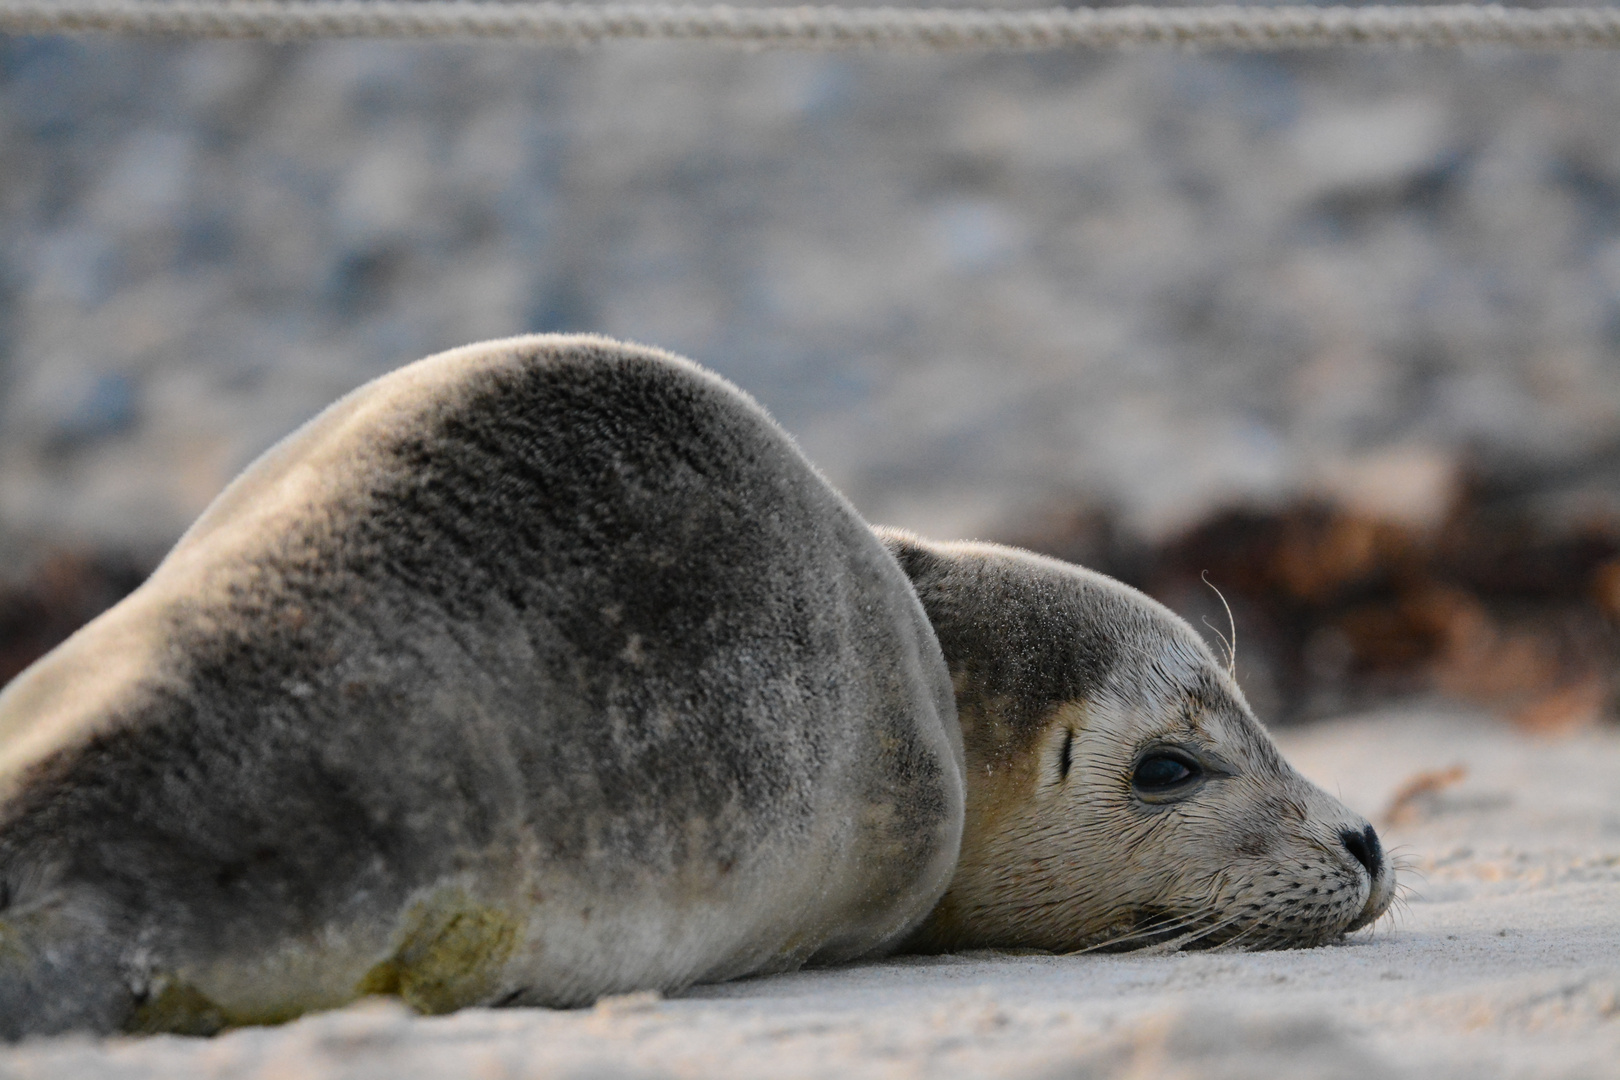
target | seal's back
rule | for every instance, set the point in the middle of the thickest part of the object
(534, 671)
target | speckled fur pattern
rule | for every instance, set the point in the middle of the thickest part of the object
(1064, 678)
(534, 671)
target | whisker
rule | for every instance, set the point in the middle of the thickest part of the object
(1235, 942)
(1124, 939)
(1192, 937)
(1156, 927)
(1231, 942)
(1177, 943)
(1231, 645)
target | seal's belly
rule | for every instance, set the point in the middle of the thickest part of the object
(543, 941)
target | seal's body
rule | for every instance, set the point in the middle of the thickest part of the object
(549, 668)
(1120, 791)
(534, 671)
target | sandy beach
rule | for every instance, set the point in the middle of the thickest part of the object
(1503, 960)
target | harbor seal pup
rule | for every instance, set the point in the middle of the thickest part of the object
(535, 671)
(549, 668)
(1120, 791)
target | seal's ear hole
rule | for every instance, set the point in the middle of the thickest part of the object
(1066, 755)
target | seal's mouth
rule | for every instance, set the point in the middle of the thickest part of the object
(1379, 897)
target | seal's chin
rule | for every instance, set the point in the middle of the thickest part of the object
(1379, 898)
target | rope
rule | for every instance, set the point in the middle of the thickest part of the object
(546, 23)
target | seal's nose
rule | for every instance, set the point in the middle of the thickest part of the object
(1365, 847)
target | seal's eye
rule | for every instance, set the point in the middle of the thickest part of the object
(1164, 771)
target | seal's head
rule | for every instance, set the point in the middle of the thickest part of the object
(1120, 791)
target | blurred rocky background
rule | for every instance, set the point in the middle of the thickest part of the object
(1341, 329)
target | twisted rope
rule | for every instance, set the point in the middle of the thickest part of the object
(545, 23)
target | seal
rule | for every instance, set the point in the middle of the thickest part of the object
(1120, 791)
(549, 668)
(534, 671)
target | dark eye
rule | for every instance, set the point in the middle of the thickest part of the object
(1160, 772)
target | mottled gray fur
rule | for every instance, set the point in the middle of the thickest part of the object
(538, 670)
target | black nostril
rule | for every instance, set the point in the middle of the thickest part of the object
(1365, 847)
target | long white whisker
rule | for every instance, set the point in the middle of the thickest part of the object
(1199, 935)
(1154, 928)
(1232, 944)
(1231, 645)
(1172, 944)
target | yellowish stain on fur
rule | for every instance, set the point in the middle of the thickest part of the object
(177, 1009)
(452, 956)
